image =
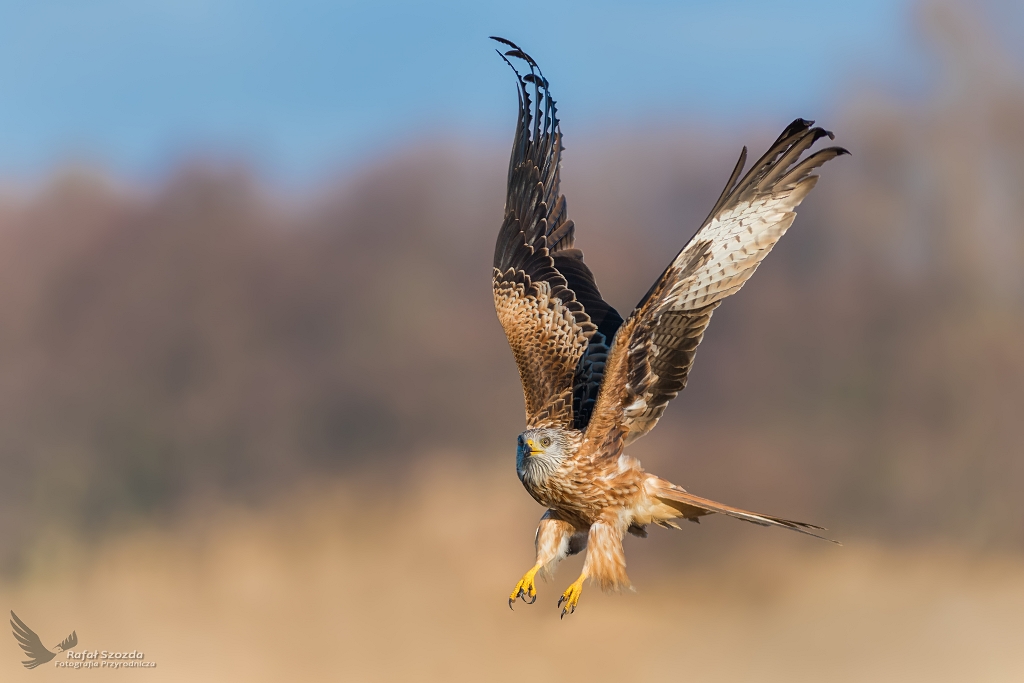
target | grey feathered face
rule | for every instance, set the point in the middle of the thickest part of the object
(540, 451)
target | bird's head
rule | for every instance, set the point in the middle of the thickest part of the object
(541, 451)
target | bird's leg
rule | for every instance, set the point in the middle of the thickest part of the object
(571, 596)
(525, 589)
(553, 542)
(605, 563)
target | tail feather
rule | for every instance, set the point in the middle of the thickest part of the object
(692, 507)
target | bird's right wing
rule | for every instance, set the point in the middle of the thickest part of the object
(653, 351)
(545, 295)
(30, 643)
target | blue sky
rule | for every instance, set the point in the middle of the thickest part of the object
(300, 88)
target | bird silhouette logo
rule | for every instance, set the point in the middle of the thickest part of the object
(33, 645)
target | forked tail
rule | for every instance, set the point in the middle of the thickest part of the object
(691, 507)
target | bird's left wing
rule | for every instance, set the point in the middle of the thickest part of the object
(30, 643)
(545, 295)
(653, 351)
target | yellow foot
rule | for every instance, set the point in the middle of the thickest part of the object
(525, 589)
(571, 597)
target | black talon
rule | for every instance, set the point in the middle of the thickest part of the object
(529, 602)
(511, 601)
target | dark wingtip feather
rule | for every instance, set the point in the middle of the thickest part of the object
(797, 126)
(504, 41)
(523, 56)
(511, 66)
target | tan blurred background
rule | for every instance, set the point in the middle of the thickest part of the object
(262, 437)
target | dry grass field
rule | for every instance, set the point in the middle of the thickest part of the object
(329, 584)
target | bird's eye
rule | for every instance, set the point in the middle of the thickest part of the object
(545, 442)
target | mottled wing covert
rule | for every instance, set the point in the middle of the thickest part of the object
(653, 352)
(545, 295)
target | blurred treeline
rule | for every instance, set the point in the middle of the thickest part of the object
(209, 339)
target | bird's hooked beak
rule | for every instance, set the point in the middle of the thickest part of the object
(530, 448)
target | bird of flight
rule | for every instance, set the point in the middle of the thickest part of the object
(595, 383)
(33, 646)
